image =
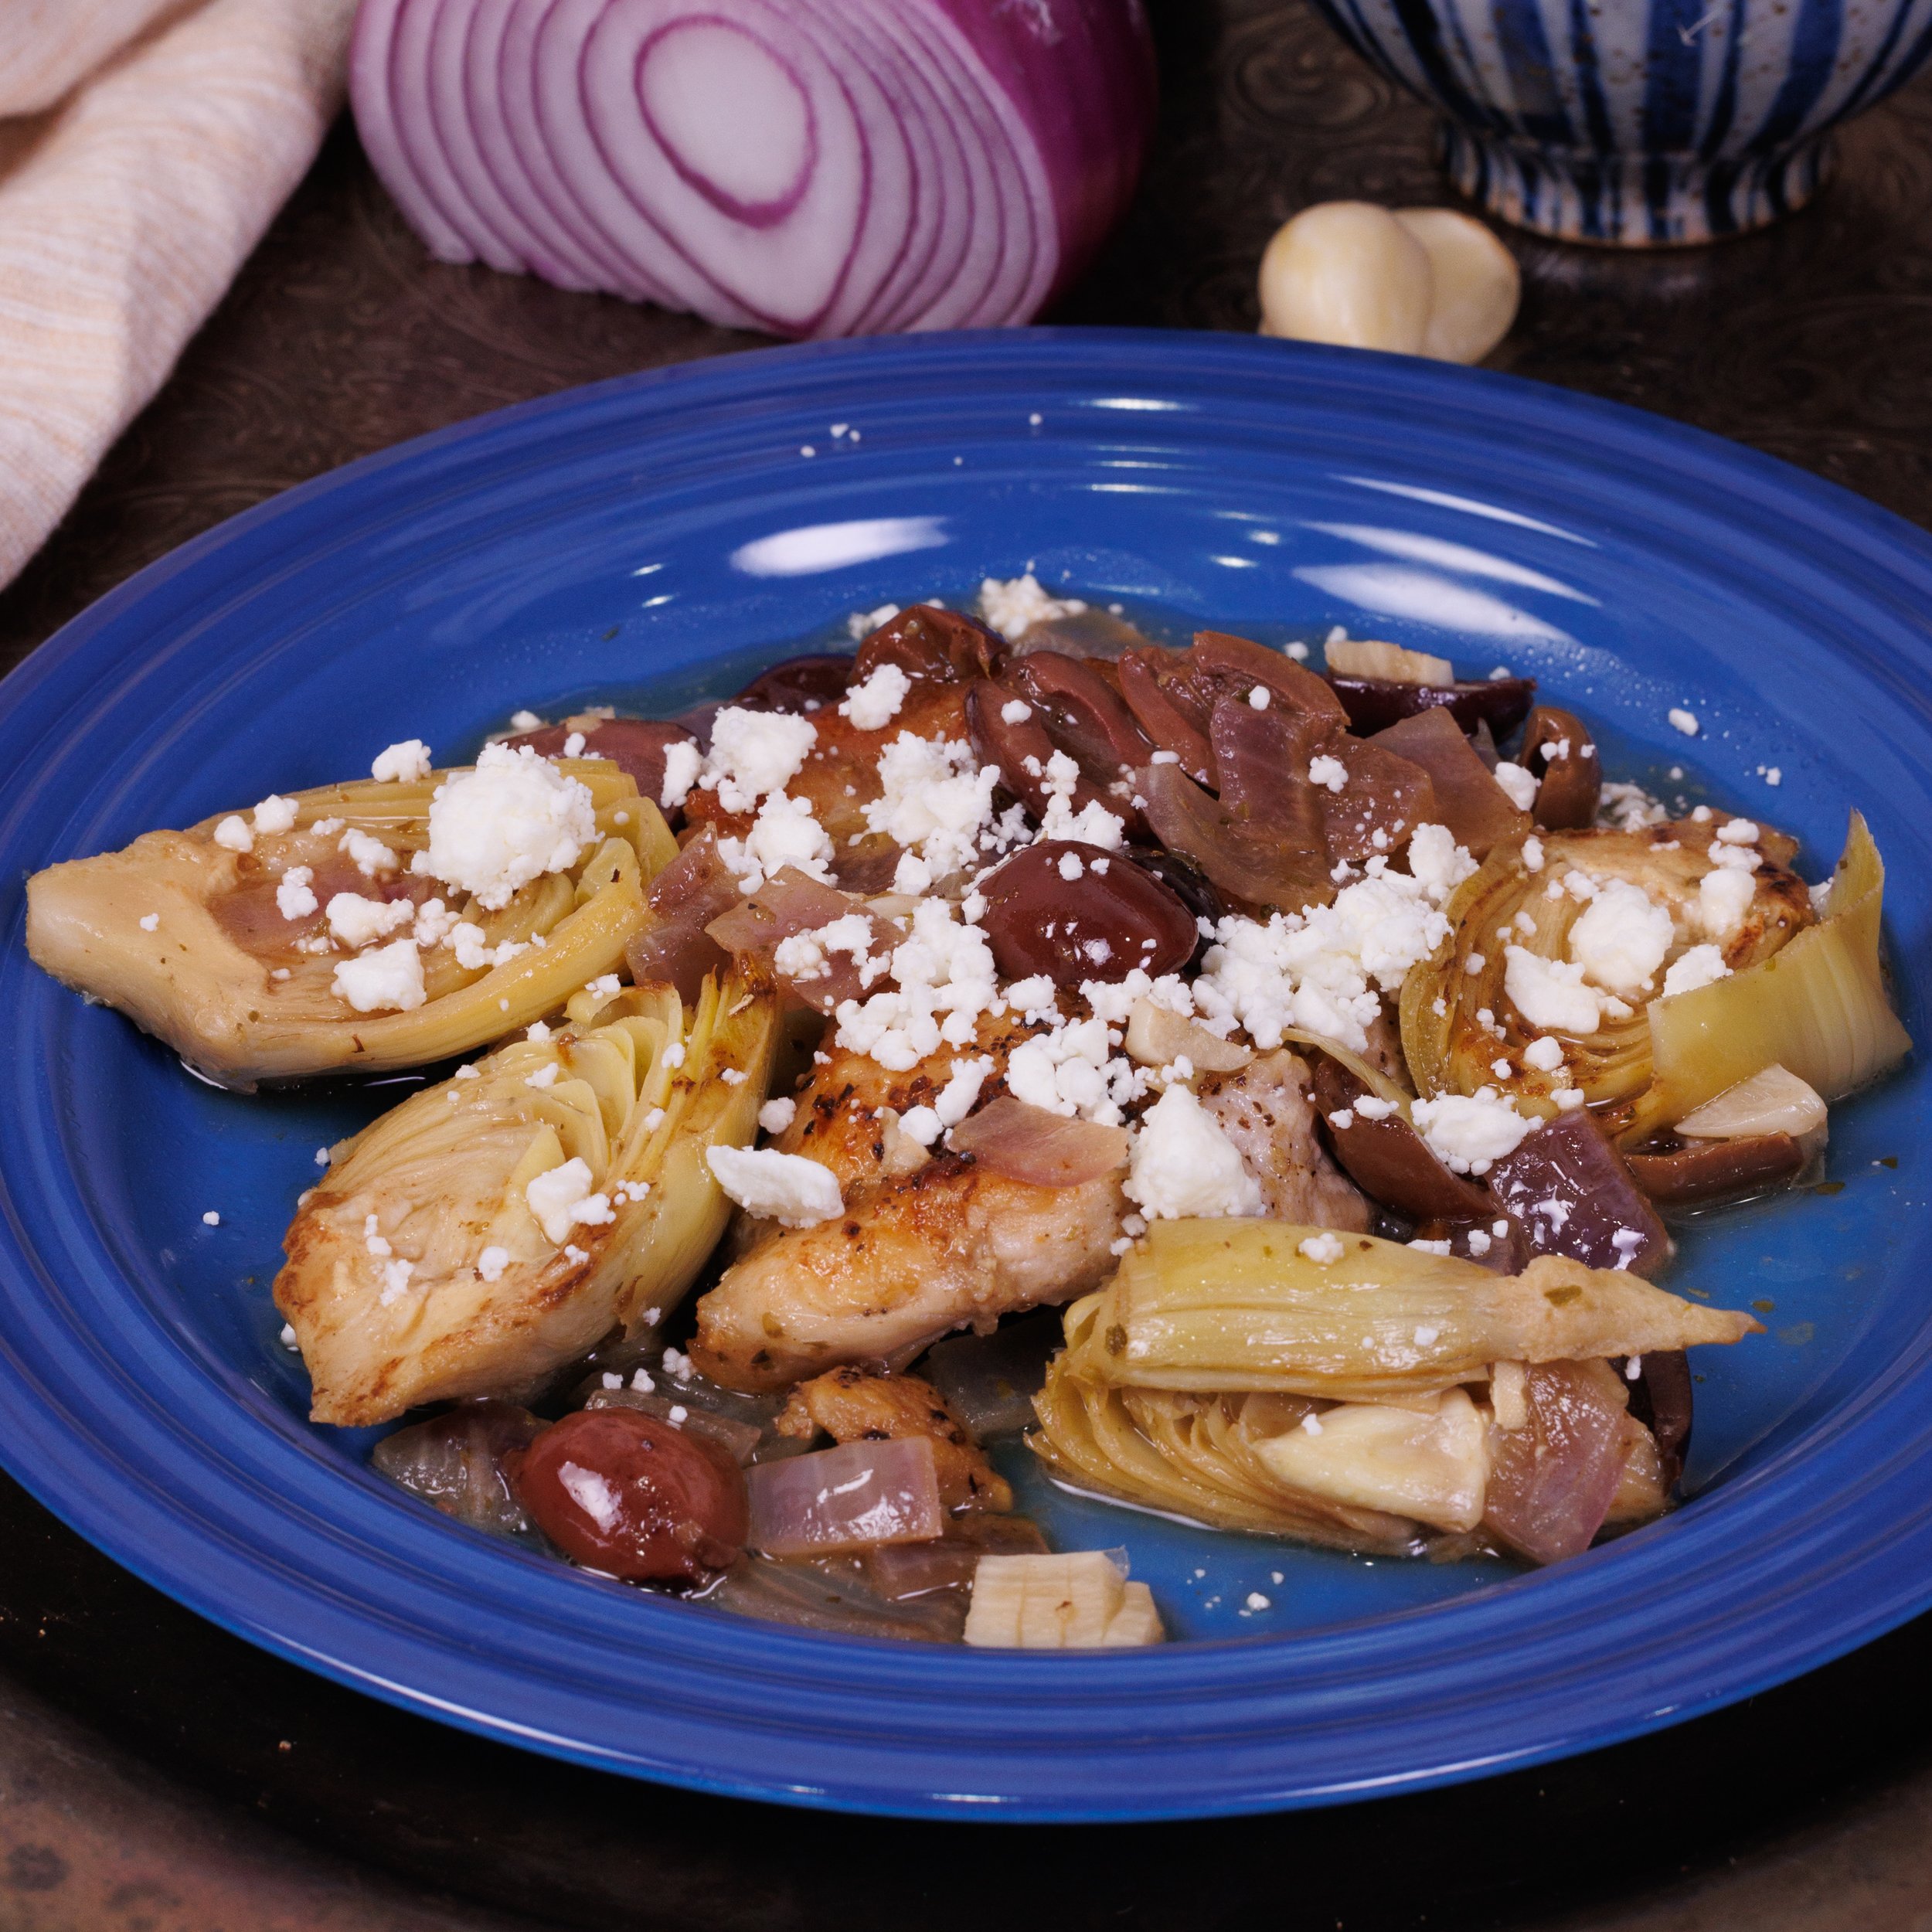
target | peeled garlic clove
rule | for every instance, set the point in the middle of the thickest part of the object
(1477, 285)
(1350, 273)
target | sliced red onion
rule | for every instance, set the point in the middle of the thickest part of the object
(1027, 1143)
(850, 1498)
(821, 167)
(1552, 1481)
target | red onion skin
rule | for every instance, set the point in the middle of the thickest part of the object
(962, 162)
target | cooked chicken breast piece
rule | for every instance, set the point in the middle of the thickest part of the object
(1265, 1109)
(858, 1405)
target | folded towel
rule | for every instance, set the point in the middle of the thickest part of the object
(126, 211)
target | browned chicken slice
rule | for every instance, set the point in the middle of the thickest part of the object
(858, 1405)
(1265, 1109)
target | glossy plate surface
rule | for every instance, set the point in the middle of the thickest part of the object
(647, 542)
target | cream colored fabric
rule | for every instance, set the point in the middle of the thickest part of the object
(126, 210)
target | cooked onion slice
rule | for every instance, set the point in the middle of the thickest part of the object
(232, 985)
(491, 1229)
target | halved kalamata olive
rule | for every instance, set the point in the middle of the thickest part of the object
(1235, 665)
(1557, 745)
(632, 1495)
(1190, 884)
(1084, 714)
(1478, 811)
(1022, 748)
(799, 684)
(1171, 727)
(1086, 634)
(454, 1460)
(1574, 1194)
(1494, 1242)
(1074, 912)
(1386, 1157)
(926, 642)
(1701, 1171)
(1660, 1400)
(634, 745)
(1373, 704)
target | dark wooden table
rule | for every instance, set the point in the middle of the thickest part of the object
(158, 1776)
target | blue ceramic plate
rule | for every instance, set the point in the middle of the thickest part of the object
(650, 540)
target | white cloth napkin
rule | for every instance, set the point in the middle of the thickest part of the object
(148, 145)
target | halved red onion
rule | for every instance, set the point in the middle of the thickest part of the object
(850, 1498)
(1027, 1143)
(823, 168)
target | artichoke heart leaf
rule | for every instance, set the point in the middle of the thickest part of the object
(496, 1226)
(1458, 1021)
(231, 961)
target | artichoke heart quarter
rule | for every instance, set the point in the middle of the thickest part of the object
(1459, 1021)
(495, 1227)
(245, 961)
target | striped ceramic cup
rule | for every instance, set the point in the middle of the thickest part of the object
(1640, 122)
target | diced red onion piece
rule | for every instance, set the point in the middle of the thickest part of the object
(1027, 1143)
(788, 904)
(1552, 1482)
(832, 168)
(850, 1498)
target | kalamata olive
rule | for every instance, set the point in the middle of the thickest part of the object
(1020, 747)
(1167, 723)
(1084, 714)
(1702, 1171)
(1557, 745)
(1373, 704)
(926, 642)
(1574, 1194)
(632, 1495)
(1660, 1400)
(1235, 665)
(799, 684)
(1249, 863)
(1386, 1158)
(633, 745)
(1190, 884)
(1074, 912)
(1477, 809)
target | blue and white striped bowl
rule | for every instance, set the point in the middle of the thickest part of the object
(1640, 122)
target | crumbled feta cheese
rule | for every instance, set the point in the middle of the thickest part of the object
(1017, 711)
(402, 764)
(1093, 825)
(1520, 784)
(1470, 1131)
(1330, 773)
(1014, 607)
(1773, 776)
(1070, 867)
(370, 854)
(276, 813)
(1072, 1069)
(520, 721)
(862, 624)
(294, 898)
(802, 956)
(733, 1075)
(873, 705)
(574, 745)
(149, 922)
(1479, 1243)
(1701, 966)
(935, 798)
(357, 921)
(211, 1219)
(754, 754)
(1549, 995)
(1723, 897)
(233, 833)
(544, 1076)
(491, 1262)
(1256, 1600)
(1437, 863)
(1568, 1098)
(1621, 938)
(784, 833)
(775, 1116)
(388, 979)
(683, 762)
(1532, 854)
(960, 1094)
(466, 941)
(561, 1198)
(1684, 721)
(1182, 1166)
(1737, 832)
(514, 818)
(466, 1074)
(1323, 1249)
(785, 1187)
(1258, 698)
(1545, 1054)
(1627, 808)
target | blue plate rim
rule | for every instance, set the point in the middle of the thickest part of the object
(1214, 1670)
